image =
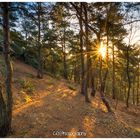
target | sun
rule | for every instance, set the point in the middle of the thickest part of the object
(102, 51)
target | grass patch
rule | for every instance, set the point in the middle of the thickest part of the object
(30, 75)
(26, 85)
(71, 87)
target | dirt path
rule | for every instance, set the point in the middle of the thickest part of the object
(58, 110)
(65, 114)
(54, 112)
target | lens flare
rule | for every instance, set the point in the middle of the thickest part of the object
(102, 51)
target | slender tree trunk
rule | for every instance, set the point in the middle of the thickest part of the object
(40, 67)
(64, 55)
(113, 75)
(106, 103)
(121, 89)
(102, 82)
(76, 70)
(128, 77)
(93, 91)
(125, 90)
(81, 49)
(52, 66)
(107, 53)
(6, 108)
(26, 41)
(3, 115)
(88, 64)
(80, 14)
(133, 91)
(138, 86)
(106, 72)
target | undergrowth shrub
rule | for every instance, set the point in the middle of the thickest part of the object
(27, 86)
(30, 75)
(71, 87)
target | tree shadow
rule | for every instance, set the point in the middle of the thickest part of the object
(65, 114)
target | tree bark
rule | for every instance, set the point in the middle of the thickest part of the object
(81, 49)
(76, 70)
(138, 86)
(88, 64)
(106, 103)
(93, 89)
(52, 65)
(113, 75)
(133, 91)
(6, 108)
(128, 77)
(40, 67)
(64, 55)
(3, 115)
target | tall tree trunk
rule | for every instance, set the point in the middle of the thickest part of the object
(3, 115)
(80, 14)
(138, 85)
(106, 103)
(81, 49)
(40, 67)
(107, 52)
(88, 64)
(133, 91)
(76, 70)
(52, 65)
(93, 91)
(64, 55)
(128, 78)
(103, 82)
(113, 74)
(6, 108)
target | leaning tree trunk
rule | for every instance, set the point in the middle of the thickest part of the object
(103, 82)
(106, 103)
(6, 107)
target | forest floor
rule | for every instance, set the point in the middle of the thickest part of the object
(52, 107)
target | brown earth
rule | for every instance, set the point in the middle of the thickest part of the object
(56, 109)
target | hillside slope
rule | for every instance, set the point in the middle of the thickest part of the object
(54, 108)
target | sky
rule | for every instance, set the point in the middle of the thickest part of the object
(134, 37)
(130, 39)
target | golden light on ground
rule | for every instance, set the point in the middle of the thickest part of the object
(89, 125)
(102, 50)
